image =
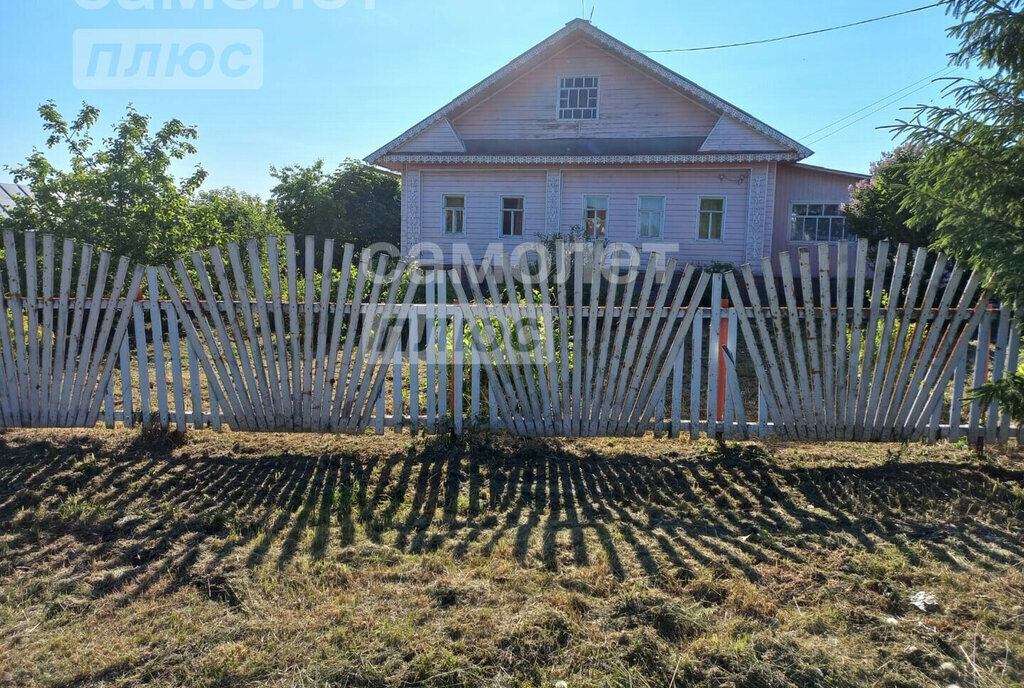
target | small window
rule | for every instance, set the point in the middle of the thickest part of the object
(712, 218)
(651, 218)
(817, 222)
(512, 208)
(577, 97)
(454, 221)
(595, 216)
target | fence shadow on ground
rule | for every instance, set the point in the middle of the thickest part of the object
(122, 519)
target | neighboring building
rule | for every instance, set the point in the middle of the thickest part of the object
(584, 131)
(8, 192)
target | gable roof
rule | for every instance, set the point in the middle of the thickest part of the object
(792, 149)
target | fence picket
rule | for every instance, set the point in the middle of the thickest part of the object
(814, 352)
(826, 341)
(853, 376)
(46, 365)
(998, 366)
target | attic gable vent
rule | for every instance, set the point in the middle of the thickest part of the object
(577, 97)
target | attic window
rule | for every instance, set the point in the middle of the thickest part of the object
(577, 97)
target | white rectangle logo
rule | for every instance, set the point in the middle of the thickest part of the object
(168, 59)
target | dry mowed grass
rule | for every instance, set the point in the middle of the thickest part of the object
(236, 559)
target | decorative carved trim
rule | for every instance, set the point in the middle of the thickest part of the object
(554, 201)
(445, 159)
(757, 198)
(412, 229)
(638, 59)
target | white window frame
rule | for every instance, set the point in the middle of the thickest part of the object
(725, 203)
(558, 100)
(501, 215)
(444, 214)
(607, 203)
(664, 212)
(789, 223)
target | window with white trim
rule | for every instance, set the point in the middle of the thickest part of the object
(512, 210)
(817, 222)
(577, 97)
(595, 216)
(454, 221)
(711, 219)
(650, 216)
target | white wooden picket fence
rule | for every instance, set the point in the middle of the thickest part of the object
(246, 338)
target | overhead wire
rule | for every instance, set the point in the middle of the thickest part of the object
(798, 35)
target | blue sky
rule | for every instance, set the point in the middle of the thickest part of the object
(341, 82)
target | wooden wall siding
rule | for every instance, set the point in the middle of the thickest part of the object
(795, 184)
(682, 189)
(483, 190)
(437, 138)
(255, 338)
(632, 104)
(731, 135)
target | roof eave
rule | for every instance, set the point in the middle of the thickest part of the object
(399, 159)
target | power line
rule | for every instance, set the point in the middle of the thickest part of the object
(797, 35)
(884, 98)
(860, 119)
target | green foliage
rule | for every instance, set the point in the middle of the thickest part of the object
(236, 216)
(119, 194)
(1008, 393)
(356, 203)
(971, 174)
(878, 209)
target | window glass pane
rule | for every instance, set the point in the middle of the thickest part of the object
(716, 226)
(712, 204)
(704, 226)
(832, 209)
(810, 229)
(838, 229)
(814, 210)
(598, 202)
(799, 209)
(455, 201)
(511, 203)
(823, 228)
(651, 203)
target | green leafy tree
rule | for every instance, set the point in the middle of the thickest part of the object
(235, 216)
(971, 176)
(878, 209)
(119, 193)
(356, 203)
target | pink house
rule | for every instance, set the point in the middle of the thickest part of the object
(583, 132)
